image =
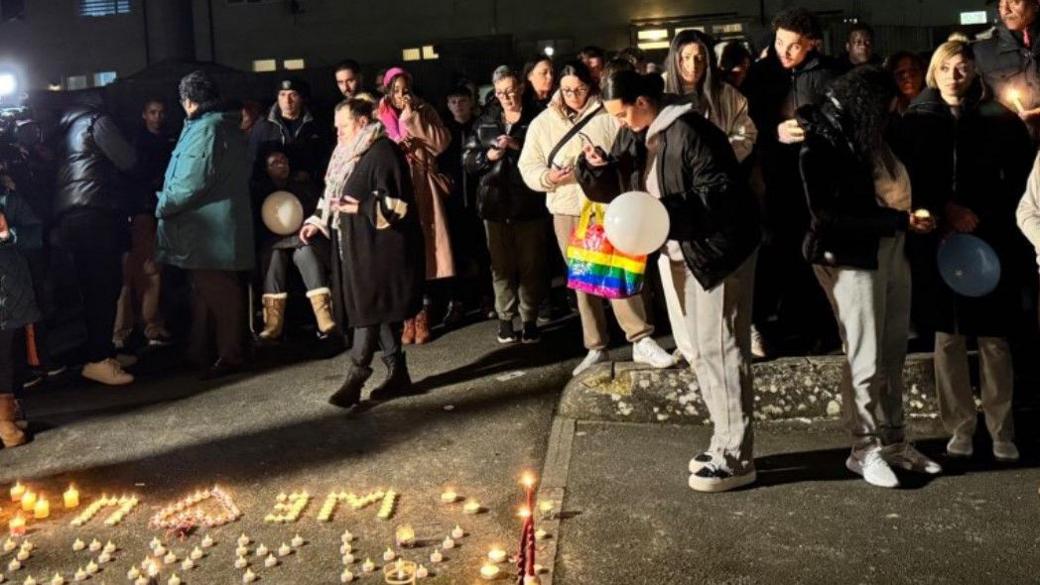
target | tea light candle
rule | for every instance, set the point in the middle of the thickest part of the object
(472, 507)
(457, 532)
(133, 573)
(261, 551)
(188, 565)
(23, 555)
(489, 571)
(368, 566)
(436, 556)
(348, 559)
(92, 568)
(170, 558)
(242, 551)
(345, 548)
(207, 542)
(142, 580)
(496, 555)
(422, 572)
(80, 575)
(241, 563)
(284, 550)
(540, 534)
(448, 543)
(389, 555)
(28, 501)
(297, 541)
(57, 579)
(29, 581)
(10, 545)
(104, 557)
(95, 545)
(159, 550)
(14, 565)
(71, 497)
(249, 576)
(922, 214)
(174, 580)
(110, 547)
(270, 561)
(449, 496)
(17, 491)
(405, 535)
(243, 540)
(347, 536)
(16, 526)
(346, 576)
(196, 554)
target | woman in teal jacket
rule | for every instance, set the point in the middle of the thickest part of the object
(205, 222)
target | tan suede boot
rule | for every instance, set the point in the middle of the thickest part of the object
(422, 326)
(274, 315)
(321, 302)
(10, 434)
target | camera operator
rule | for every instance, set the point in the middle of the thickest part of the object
(20, 230)
(90, 226)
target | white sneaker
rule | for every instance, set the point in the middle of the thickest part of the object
(646, 351)
(595, 356)
(960, 446)
(1005, 451)
(714, 478)
(108, 372)
(873, 468)
(699, 461)
(905, 456)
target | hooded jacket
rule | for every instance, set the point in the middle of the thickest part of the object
(846, 222)
(545, 132)
(712, 212)
(502, 195)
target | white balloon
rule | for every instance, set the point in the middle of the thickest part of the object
(636, 223)
(282, 213)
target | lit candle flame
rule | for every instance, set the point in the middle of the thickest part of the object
(528, 479)
(524, 512)
(1016, 98)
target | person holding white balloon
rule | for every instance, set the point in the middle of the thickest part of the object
(284, 202)
(714, 234)
(553, 145)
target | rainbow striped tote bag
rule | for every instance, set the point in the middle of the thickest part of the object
(594, 266)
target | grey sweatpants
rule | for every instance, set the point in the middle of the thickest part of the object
(952, 381)
(718, 324)
(873, 312)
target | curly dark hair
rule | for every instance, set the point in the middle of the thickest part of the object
(861, 100)
(798, 20)
(199, 87)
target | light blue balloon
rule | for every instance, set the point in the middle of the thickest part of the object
(969, 265)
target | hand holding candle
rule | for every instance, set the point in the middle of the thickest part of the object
(1016, 98)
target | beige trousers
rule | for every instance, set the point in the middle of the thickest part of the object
(141, 283)
(630, 312)
(953, 385)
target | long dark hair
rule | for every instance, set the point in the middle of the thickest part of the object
(711, 85)
(529, 67)
(861, 100)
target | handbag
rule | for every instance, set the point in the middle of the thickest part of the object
(594, 266)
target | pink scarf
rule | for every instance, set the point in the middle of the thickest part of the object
(389, 116)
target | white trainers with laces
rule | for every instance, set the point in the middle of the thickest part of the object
(960, 446)
(646, 351)
(595, 356)
(1005, 451)
(905, 456)
(107, 371)
(873, 468)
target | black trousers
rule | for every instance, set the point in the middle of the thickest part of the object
(7, 338)
(385, 336)
(94, 240)
(218, 309)
(309, 260)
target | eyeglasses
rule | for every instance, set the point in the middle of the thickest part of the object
(506, 94)
(579, 92)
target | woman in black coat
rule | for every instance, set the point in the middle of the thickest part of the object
(969, 158)
(859, 202)
(370, 205)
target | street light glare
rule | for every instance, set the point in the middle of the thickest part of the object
(8, 84)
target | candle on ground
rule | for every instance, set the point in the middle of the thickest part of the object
(17, 525)
(489, 571)
(17, 491)
(497, 555)
(71, 497)
(449, 496)
(28, 501)
(42, 509)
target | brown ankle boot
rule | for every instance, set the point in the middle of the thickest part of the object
(422, 326)
(321, 303)
(10, 434)
(274, 315)
(408, 334)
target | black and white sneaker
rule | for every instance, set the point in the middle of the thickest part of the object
(698, 462)
(506, 334)
(716, 478)
(531, 334)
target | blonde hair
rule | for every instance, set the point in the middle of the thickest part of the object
(946, 51)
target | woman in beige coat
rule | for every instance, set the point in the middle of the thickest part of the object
(415, 126)
(577, 100)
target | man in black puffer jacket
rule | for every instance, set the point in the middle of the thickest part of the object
(513, 214)
(90, 211)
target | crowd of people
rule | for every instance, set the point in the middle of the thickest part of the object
(808, 196)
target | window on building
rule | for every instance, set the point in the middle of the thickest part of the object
(265, 65)
(414, 54)
(294, 64)
(74, 82)
(429, 53)
(103, 78)
(103, 7)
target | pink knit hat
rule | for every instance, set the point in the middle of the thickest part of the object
(393, 72)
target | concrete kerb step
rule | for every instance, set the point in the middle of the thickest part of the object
(785, 389)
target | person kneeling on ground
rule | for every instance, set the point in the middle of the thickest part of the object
(370, 203)
(687, 162)
(859, 204)
(277, 250)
